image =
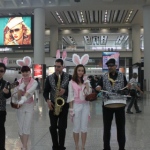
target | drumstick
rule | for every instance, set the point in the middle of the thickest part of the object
(124, 88)
(104, 91)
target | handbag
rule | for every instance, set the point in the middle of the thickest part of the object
(14, 105)
(91, 97)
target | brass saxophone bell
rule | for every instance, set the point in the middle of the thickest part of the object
(59, 101)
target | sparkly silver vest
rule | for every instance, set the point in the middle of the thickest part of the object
(64, 85)
(112, 97)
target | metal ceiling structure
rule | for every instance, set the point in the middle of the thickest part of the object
(93, 15)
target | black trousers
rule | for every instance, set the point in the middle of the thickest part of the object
(133, 101)
(2, 129)
(58, 128)
(120, 123)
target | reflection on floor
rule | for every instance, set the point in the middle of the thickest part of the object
(137, 129)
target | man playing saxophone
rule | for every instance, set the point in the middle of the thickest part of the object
(57, 86)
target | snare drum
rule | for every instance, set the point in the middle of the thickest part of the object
(114, 101)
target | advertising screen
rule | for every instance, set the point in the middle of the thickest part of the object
(38, 71)
(16, 31)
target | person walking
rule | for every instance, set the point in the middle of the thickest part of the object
(37, 91)
(133, 93)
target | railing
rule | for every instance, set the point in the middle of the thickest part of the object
(110, 45)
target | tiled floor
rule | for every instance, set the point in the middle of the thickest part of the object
(137, 129)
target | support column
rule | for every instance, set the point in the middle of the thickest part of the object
(53, 40)
(39, 36)
(136, 53)
(146, 24)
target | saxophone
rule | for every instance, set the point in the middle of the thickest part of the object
(59, 101)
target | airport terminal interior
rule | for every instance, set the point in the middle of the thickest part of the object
(101, 28)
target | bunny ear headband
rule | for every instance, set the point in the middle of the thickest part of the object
(64, 55)
(4, 61)
(83, 60)
(25, 62)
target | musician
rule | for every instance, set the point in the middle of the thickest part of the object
(57, 122)
(113, 81)
(4, 94)
(134, 88)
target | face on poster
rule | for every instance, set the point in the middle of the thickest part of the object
(15, 30)
(107, 55)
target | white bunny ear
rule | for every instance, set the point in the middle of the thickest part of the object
(5, 61)
(57, 54)
(27, 61)
(84, 59)
(20, 63)
(76, 59)
(64, 55)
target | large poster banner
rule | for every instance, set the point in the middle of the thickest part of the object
(107, 55)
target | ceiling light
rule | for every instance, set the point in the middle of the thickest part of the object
(22, 2)
(50, 2)
(57, 13)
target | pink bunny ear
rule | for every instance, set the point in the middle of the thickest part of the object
(5, 61)
(57, 54)
(76, 59)
(84, 59)
(27, 61)
(20, 63)
(64, 55)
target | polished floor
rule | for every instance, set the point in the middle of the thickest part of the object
(137, 129)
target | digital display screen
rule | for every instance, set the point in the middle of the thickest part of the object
(108, 55)
(38, 71)
(16, 31)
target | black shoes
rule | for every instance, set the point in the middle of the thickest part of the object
(129, 112)
(139, 111)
